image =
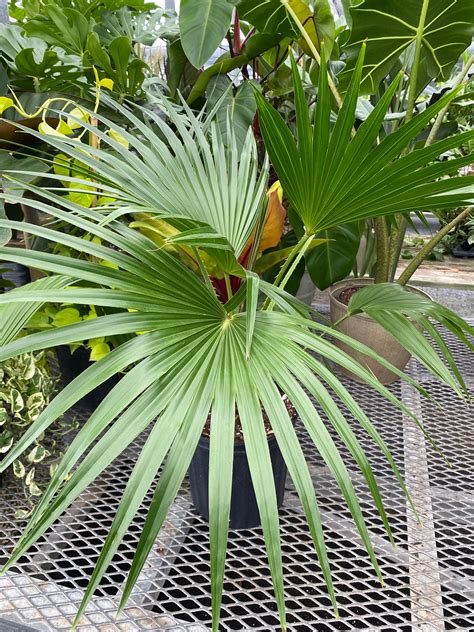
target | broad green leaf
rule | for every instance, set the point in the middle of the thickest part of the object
(203, 25)
(234, 107)
(271, 16)
(335, 257)
(390, 31)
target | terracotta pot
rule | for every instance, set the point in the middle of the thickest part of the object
(363, 329)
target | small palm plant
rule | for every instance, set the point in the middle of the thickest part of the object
(199, 354)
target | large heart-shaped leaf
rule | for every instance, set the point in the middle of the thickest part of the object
(390, 29)
(236, 108)
(203, 25)
(271, 16)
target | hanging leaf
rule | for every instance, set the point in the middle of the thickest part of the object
(3, 415)
(203, 25)
(37, 454)
(237, 108)
(30, 476)
(34, 489)
(6, 441)
(16, 401)
(390, 29)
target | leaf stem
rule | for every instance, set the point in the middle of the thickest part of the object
(412, 91)
(312, 48)
(382, 244)
(289, 265)
(415, 263)
(228, 286)
(306, 242)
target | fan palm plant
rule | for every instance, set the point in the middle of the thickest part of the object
(341, 176)
(197, 355)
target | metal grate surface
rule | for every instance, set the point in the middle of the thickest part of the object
(429, 576)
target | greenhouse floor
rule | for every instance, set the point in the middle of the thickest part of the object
(429, 576)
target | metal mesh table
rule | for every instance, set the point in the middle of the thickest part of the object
(429, 576)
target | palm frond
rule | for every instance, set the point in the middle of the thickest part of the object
(406, 315)
(194, 357)
(185, 175)
(332, 177)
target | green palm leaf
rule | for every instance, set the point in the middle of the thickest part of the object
(406, 315)
(195, 356)
(227, 191)
(333, 177)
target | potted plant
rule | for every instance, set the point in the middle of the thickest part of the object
(386, 329)
(204, 353)
(26, 390)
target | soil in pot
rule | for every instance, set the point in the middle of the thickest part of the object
(72, 365)
(244, 512)
(365, 330)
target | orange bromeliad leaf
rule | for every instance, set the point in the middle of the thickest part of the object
(274, 220)
(274, 223)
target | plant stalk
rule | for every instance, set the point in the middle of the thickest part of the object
(399, 229)
(439, 119)
(307, 242)
(289, 265)
(416, 61)
(202, 269)
(228, 287)
(313, 49)
(427, 249)
(382, 244)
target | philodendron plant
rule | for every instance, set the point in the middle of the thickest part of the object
(199, 354)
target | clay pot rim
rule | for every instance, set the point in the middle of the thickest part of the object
(347, 283)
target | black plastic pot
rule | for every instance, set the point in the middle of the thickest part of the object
(464, 250)
(243, 508)
(72, 365)
(15, 273)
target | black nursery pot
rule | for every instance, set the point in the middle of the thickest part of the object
(243, 507)
(72, 365)
(464, 250)
(16, 273)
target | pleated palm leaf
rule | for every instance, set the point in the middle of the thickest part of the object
(194, 357)
(333, 176)
(339, 175)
